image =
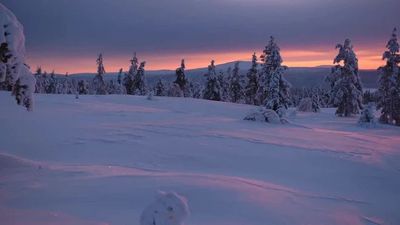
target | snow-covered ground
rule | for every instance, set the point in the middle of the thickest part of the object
(102, 159)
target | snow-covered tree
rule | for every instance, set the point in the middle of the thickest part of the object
(345, 83)
(315, 100)
(83, 87)
(160, 88)
(252, 84)
(13, 68)
(99, 85)
(119, 77)
(213, 88)
(168, 209)
(224, 82)
(119, 87)
(235, 85)
(273, 87)
(181, 81)
(52, 84)
(389, 84)
(38, 76)
(196, 89)
(129, 77)
(139, 81)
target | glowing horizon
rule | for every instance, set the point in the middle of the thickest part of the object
(368, 59)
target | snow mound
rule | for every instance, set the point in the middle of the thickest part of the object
(168, 209)
(264, 115)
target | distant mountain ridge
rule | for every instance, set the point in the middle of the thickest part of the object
(298, 76)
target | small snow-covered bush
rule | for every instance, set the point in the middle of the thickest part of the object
(308, 105)
(150, 95)
(264, 115)
(367, 117)
(168, 209)
(305, 105)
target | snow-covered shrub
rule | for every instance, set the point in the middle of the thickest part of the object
(308, 105)
(12, 59)
(168, 209)
(367, 117)
(264, 115)
(305, 105)
(175, 91)
(150, 95)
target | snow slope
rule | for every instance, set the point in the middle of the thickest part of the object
(101, 160)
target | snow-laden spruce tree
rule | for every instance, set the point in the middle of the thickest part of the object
(252, 84)
(273, 87)
(196, 89)
(235, 85)
(389, 84)
(99, 86)
(168, 209)
(181, 81)
(129, 77)
(345, 83)
(212, 90)
(13, 67)
(316, 102)
(224, 82)
(160, 88)
(83, 87)
(119, 87)
(139, 81)
(51, 88)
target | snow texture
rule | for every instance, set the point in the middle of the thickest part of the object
(98, 160)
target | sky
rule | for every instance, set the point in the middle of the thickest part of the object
(67, 35)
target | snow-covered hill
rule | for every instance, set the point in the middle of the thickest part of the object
(101, 159)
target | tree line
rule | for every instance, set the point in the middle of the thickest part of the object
(262, 85)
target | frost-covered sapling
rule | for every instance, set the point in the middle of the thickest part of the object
(168, 209)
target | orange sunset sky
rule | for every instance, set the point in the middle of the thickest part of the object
(368, 59)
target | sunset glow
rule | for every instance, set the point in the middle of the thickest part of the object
(368, 59)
